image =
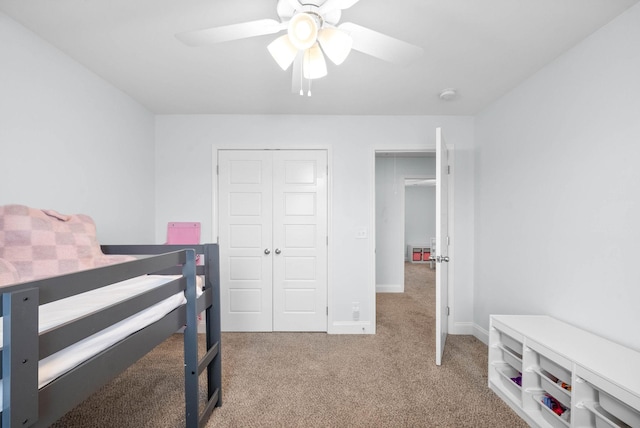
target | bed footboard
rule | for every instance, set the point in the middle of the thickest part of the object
(209, 303)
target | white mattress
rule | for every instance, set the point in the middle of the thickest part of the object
(61, 311)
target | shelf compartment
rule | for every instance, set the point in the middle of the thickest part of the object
(549, 415)
(511, 358)
(619, 410)
(555, 370)
(558, 392)
(603, 418)
(506, 373)
(511, 343)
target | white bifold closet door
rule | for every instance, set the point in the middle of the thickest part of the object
(272, 213)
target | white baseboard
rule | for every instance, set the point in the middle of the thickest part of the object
(481, 334)
(351, 327)
(462, 328)
(390, 288)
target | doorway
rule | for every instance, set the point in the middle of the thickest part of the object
(384, 252)
(393, 170)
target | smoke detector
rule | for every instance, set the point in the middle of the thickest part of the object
(448, 94)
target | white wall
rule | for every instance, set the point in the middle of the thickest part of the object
(420, 215)
(558, 190)
(390, 197)
(184, 190)
(71, 142)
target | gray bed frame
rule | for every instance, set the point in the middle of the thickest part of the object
(24, 405)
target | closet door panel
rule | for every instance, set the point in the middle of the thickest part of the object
(245, 227)
(300, 237)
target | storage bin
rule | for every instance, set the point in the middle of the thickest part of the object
(510, 358)
(506, 373)
(555, 370)
(604, 419)
(619, 410)
(511, 343)
(553, 419)
(559, 393)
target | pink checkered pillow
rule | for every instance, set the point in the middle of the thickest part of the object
(45, 243)
(8, 273)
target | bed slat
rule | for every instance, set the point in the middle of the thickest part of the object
(80, 328)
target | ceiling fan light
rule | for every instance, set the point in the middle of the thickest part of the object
(336, 44)
(303, 30)
(283, 51)
(313, 64)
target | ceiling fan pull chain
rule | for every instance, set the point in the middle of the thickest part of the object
(301, 75)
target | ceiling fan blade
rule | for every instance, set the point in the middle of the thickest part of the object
(330, 5)
(294, 4)
(380, 45)
(286, 8)
(332, 17)
(227, 33)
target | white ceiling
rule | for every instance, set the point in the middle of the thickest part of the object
(483, 48)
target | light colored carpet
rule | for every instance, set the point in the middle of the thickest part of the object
(317, 380)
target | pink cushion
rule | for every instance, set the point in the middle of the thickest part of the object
(46, 243)
(180, 233)
(8, 273)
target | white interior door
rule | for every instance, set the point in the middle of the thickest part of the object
(442, 245)
(273, 240)
(300, 240)
(245, 215)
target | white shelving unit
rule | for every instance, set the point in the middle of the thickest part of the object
(590, 381)
(418, 253)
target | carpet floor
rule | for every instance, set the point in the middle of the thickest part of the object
(317, 380)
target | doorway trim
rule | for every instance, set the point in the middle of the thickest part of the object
(392, 148)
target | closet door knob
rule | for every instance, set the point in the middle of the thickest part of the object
(278, 251)
(267, 251)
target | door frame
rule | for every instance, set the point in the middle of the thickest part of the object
(426, 148)
(215, 148)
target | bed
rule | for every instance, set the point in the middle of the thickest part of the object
(35, 395)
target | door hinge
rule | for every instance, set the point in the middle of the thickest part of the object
(448, 169)
(448, 311)
(327, 310)
(217, 169)
(448, 241)
(327, 240)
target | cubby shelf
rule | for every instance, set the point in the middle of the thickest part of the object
(419, 253)
(556, 375)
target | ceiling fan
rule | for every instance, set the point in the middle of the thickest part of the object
(313, 32)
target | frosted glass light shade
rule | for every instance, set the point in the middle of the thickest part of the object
(283, 51)
(303, 31)
(336, 44)
(313, 64)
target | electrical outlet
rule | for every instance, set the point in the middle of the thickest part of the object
(361, 234)
(355, 309)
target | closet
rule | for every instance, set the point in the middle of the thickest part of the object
(272, 214)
